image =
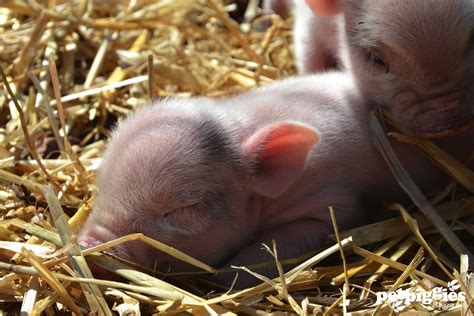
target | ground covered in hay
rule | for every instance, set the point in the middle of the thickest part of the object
(72, 69)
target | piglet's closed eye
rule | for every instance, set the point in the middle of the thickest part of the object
(280, 151)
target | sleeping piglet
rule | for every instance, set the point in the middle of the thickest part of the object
(414, 58)
(215, 178)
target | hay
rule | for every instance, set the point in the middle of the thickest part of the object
(70, 70)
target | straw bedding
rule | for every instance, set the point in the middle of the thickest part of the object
(73, 69)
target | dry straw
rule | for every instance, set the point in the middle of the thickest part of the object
(71, 69)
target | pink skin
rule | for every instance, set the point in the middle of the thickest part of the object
(215, 178)
(415, 58)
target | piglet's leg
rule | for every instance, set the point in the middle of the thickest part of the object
(292, 239)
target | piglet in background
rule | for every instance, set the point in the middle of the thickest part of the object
(413, 58)
(216, 178)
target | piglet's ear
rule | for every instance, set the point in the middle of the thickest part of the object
(324, 7)
(279, 153)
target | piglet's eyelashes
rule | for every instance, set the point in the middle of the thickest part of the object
(188, 204)
(374, 59)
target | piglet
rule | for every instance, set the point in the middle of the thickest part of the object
(413, 58)
(215, 178)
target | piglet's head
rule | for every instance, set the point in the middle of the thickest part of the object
(175, 174)
(416, 58)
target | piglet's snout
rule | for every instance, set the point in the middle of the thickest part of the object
(443, 116)
(434, 116)
(94, 235)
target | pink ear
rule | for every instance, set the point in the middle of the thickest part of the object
(279, 152)
(324, 7)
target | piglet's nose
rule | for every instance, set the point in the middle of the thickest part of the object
(94, 235)
(88, 241)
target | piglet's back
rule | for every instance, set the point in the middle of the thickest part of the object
(329, 102)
